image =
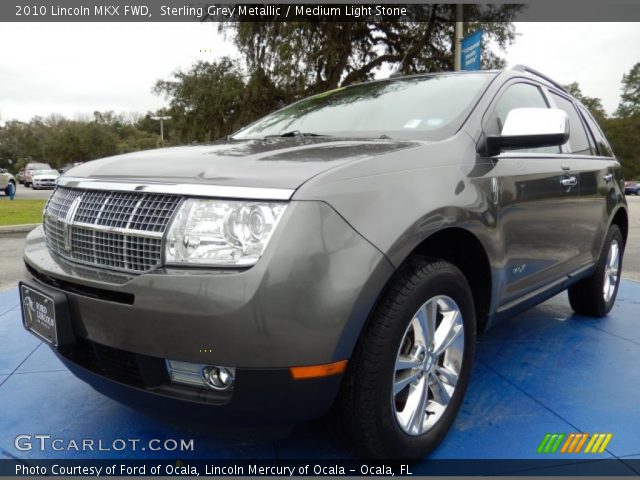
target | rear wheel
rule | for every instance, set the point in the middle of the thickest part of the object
(407, 378)
(594, 296)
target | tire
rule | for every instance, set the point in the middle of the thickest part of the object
(379, 419)
(589, 296)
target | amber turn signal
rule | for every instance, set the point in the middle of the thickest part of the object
(315, 371)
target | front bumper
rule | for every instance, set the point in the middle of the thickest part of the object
(303, 303)
(44, 183)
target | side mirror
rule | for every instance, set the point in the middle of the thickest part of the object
(530, 128)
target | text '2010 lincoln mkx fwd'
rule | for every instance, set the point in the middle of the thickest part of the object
(346, 250)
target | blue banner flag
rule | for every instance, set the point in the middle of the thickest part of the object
(471, 51)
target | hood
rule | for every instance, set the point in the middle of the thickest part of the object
(46, 175)
(269, 163)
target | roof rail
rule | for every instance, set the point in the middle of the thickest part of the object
(524, 68)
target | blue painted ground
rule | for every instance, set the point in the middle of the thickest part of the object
(546, 370)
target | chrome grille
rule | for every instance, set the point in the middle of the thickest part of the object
(114, 230)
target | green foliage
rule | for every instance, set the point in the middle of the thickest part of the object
(630, 99)
(624, 135)
(282, 62)
(59, 141)
(205, 101)
(303, 58)
(594, 105)
(623, 132)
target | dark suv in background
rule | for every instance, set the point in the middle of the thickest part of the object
(349, 246)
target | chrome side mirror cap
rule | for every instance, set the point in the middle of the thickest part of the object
(530, 128)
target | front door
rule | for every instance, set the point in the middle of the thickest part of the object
(538, 190)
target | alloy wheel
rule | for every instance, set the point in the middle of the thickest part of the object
(611, 271)
(428, 365)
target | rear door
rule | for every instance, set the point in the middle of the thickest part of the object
(598, 171)
(537, 189)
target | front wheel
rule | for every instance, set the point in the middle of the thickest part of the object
(594, 296)
(407, 378)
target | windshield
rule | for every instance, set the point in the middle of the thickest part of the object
(38, 166)
(430, 107)
(46, 172)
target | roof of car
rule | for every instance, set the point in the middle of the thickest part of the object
(518, 69)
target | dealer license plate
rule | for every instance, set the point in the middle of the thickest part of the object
(39, 314)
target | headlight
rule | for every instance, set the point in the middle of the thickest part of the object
(220, 232)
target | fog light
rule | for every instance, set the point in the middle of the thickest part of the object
(195, 374)
(219, 378)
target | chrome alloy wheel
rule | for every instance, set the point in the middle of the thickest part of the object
(611, 271)
(428, 365)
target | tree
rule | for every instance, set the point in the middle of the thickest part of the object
(57, 140)
(303, 58)
(593, 104)
(623, 134)
(284, 61)
(205, 101)
(630, 98)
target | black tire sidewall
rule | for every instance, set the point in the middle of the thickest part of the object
(447, 281)
(613, 234)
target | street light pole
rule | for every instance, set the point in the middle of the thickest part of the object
(162, 119)
(458, 38)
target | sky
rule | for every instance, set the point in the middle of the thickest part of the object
(73, 69)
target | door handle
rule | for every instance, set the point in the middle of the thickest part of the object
(608, 177)
(569, 182)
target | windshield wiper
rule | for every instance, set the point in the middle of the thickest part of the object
(296, 133)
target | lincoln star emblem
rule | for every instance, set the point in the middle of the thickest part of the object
(67, 221)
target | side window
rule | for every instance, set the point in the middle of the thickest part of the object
(601, 142)
(519, 95)
(578, 141)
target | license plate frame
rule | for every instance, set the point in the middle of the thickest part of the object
(45, 313)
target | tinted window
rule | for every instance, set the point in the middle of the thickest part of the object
(601, 142)
(578, 141)
(412, 107)
(38, 166)
(519, 95)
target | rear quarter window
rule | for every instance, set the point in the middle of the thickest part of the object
(603, 147)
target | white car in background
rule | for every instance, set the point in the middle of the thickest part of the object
(29, 170)
(44, 179)
(7, 181)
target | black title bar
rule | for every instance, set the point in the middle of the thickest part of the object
(288, 10)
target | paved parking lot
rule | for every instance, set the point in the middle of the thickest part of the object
(30, 193)
(631, 267)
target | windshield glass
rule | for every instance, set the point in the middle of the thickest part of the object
(430, 107)
(38, 166)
